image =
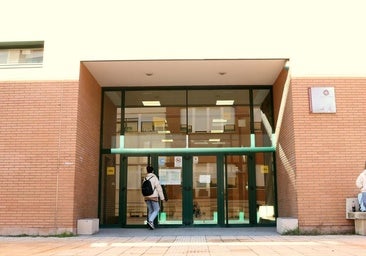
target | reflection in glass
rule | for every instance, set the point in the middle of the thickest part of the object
(263, 117)
(136, 207)
(111, 119)
(265, 188)
(187, 118)
(170, 175)
(110, 189)
(236, 173)
(157, 126)
(204, 190)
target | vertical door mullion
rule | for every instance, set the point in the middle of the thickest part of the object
(252, 189)
(123, 191)
(221, 210)
(187, 190)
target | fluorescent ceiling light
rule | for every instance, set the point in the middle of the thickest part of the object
(214, 140)
(167, 140)
(200, 142)
(151, 103)
(219, 120)
(163, 132)
(224, 102)
(217, 131)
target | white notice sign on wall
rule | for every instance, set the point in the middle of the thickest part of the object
(322, 100)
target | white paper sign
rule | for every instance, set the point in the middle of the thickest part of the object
(205, 179)
(177, 161)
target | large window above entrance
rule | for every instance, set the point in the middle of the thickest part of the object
(187, 118)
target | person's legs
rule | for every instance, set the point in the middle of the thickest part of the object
(155, 210)
(150, 209)
(363, 202)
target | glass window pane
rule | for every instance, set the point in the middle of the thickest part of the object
(170, 176)
(136, 207)
(219, 118)
(154, 119)
(164, 97)
(265, 188)
(263, 117)
(21, 56)
(236, 174)
(205, 190)
(3, 56)
(111, 119)
(110, 189)
(210, 97)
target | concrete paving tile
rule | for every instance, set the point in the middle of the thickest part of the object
(207, 242)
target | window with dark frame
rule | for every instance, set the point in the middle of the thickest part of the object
(24, 53)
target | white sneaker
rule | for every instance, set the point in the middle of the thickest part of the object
(151, 225)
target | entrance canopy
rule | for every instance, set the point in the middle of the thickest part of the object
(144, 73)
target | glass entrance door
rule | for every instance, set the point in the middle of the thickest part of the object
(237, 188)
(170, 174)
(249, 189)
(202, 190)
(190, 183)
(169, 169)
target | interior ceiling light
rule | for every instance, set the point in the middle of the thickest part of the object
(214, 140)
(164, 132)
(219, 143)
(202, 142)
(151, 103)
(167, 140)
(219, 120)
(217, 131)
(224, 102)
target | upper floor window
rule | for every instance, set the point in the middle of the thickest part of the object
(21, 53)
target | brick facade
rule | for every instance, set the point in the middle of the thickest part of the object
(49, 152)
(285, 157)
(320, 155)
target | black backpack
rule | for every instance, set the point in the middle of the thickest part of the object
(146, 187)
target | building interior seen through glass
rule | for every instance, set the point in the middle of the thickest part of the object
(209, 118)
(195, 118)
(201, 200)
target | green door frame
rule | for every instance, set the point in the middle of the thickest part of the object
(123, 190)
(220, 190)
(187, 187)
(252, 189)
(252, 195)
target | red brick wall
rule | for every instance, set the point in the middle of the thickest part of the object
(87, 147)
(329, 152)
(49, 155)
(285, 157)
(37, 156)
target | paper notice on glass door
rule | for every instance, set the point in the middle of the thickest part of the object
(177, 161)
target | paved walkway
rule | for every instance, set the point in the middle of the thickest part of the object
(185, 241)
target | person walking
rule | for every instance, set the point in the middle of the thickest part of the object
(152, 201)
(361, 184)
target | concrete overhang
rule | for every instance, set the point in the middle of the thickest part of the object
(186, 72)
